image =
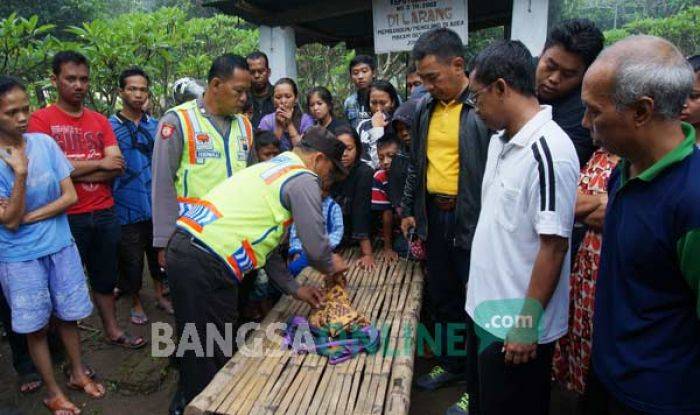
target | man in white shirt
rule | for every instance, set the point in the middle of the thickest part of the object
(517, 295)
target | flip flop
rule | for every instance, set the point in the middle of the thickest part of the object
(89, 387)
(140, 319)
(60, 404)
(32, 381)
(128, 341)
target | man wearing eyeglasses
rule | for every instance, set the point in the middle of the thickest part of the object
(442, 193)
(136, 132)
(520, 255)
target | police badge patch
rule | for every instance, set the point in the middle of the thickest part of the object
(167, 131)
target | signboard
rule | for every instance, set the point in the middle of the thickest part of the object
(399, 23)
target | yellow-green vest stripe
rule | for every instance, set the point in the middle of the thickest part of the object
(207, 157)
(242, 220)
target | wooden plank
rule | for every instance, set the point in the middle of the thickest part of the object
(396, 332)
(399, 397)
(369, 384)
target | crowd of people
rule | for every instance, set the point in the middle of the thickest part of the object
(560, 189)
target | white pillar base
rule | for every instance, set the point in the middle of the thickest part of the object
(529, 23)
(280, 46)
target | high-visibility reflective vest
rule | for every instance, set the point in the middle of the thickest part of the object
(242, 220)
(207, 157)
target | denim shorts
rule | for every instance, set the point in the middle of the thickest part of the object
(53, 284)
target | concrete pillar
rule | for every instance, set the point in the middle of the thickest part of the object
(280, 46)
(529, 23)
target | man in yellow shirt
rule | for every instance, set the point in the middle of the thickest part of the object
(442, 194)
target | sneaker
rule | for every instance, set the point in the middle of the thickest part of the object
(437, 378)
(461, 407)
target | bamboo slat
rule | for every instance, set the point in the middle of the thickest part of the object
(285, 383)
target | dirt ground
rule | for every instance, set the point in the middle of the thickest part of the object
(136, 382)
(140, 384)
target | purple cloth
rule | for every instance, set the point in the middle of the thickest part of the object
(267, 123)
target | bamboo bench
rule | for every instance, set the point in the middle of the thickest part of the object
(287, 383)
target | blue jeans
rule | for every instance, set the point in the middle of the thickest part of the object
(448, 272)
(97, 235)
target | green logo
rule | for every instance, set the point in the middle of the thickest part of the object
(515, 320)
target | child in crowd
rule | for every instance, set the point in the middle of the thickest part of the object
(353, 194)
(362, 71)
(402, 122)
(387, 148)
(382, 101)
(319, 103)
(258, 302)
(398, 171)
(267, 146)
(334, 227)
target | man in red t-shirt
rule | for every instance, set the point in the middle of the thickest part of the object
(88, 141)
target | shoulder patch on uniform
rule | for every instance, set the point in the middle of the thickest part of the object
(167, 131)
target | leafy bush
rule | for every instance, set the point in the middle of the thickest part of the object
(682, 29)
(165, 43)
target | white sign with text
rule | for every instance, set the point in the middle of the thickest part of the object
(399, 23)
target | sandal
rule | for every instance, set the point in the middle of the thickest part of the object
(128, 341)
(89, 372)
(60, 405)
(137, 318)
(29, 383)
(90, 387)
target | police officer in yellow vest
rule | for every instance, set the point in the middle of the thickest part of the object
(237, 227)
(200, 144)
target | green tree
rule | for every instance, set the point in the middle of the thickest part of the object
(682, 29)
(58, 13)
(614, 14)
(25, 46)
(165, 43)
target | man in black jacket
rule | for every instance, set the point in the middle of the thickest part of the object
(570, 49)
(443, 190)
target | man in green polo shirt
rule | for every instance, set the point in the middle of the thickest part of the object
(646, 342)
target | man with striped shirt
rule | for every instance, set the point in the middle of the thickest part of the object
(519, 271)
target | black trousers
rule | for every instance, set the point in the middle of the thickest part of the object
(205, 297)
(97, 236)
(499, 389)
(448, 271)
(137, 240)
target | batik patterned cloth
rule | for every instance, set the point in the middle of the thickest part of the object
(572, 354)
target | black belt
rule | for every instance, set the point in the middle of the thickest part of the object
(443, 202)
